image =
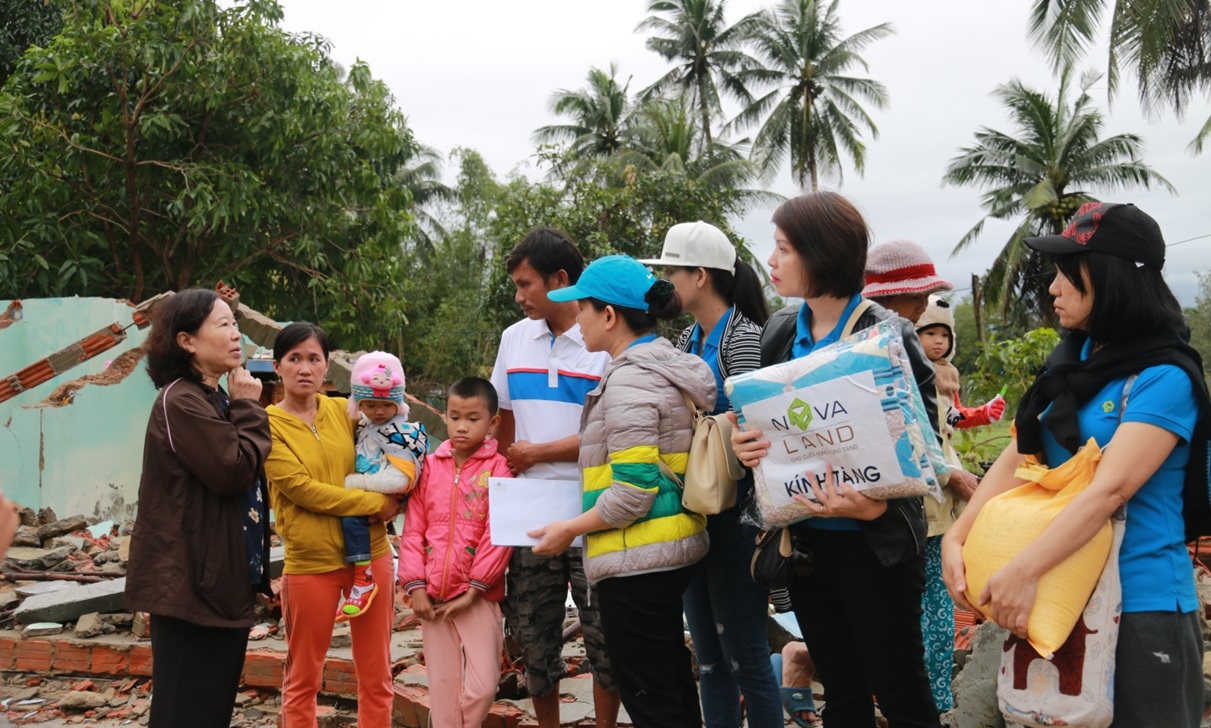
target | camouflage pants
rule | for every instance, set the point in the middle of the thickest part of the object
(534, 608)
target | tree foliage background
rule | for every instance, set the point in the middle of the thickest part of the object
(149, 145)
(156, 145)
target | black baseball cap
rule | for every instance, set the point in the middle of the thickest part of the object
(1119, 229)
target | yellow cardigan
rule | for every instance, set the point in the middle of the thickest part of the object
(306, 471)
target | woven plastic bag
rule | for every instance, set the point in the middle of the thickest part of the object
(853, 405)
(1076, 686)
(1009, 522)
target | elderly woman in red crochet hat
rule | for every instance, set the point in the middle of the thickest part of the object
(900, 275)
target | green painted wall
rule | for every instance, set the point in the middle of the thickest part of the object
(84, 457)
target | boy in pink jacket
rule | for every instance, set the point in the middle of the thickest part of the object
(448, 565)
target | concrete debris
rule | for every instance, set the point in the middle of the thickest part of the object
(80, 701)
(40, 587)
(91, 625)
(66, 525)
(341, 636)
(35, 559)
(68, 604)
(42, 629)
(27, 536)
(140, 625)
(975, 688)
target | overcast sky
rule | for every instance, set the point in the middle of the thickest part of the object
(479, 74)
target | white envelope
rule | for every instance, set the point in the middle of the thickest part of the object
(520, 505)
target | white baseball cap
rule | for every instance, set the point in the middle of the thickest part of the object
(696, 245)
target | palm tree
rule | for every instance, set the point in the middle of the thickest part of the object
(706, 52)
(816, 112)
(421, 176)
(598, 112)
(666, 136)
(1166, 42)
(1041, 173)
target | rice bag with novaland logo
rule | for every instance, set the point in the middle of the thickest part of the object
(853, 405)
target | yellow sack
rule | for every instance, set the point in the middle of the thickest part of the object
(1009, 522)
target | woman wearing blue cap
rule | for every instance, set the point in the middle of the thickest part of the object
(1125, 336)
(641, 545)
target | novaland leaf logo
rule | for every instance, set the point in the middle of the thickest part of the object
(799, 414)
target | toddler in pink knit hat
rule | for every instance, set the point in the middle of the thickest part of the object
(390, 452)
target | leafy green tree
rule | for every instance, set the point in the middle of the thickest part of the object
(1199, 318)
(459, 298)
(450, 331)
(1009, 363)
(599, 116)
(815, 115)
(707, 53)
(1167, 43)
(26, 23)
(155, 145)
(1039, 174)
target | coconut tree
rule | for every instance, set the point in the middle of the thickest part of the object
(707, 53)
(598, 114)
(815, 115)
(1039, 174)
(1167, 43)
(421, 176)
(667, 137)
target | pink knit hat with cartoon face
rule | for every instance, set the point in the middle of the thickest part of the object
(378, 376)
(901, 267)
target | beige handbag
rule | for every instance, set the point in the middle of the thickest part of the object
(711, 472)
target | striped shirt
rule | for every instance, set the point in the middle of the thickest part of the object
(543, 380)
(739, 348)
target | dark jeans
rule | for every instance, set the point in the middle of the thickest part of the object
(727, 615)
(356, 531)
(1158, 671)
(862, 625)
(195, 672)
(645, 638)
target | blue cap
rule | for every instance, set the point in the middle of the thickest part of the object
(619, 280)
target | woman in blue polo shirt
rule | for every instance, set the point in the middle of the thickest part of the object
(1125, 376)
(860, 606)
(726, 612)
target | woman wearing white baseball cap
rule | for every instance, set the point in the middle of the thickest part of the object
(725, 610)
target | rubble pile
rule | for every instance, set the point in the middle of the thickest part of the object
(29, 700)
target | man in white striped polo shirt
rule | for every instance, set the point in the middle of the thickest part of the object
(542, 375)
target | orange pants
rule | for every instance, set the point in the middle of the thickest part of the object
(309, 604)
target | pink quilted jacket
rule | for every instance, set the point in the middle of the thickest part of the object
(446, 546)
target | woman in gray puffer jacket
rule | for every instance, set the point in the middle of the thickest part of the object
(641, 545)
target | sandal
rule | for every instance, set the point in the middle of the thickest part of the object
(799, 703)
(356, 603)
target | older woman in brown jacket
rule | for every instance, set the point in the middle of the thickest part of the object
(200, 549)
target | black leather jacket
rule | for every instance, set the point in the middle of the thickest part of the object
(899, 534)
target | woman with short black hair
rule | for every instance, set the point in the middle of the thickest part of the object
(860, 606)
(1125, 375)
(200, 548)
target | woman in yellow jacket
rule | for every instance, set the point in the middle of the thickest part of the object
(311, 455)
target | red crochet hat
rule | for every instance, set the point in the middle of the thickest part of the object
(901, 267)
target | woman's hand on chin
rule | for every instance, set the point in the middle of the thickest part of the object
(242, 385)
